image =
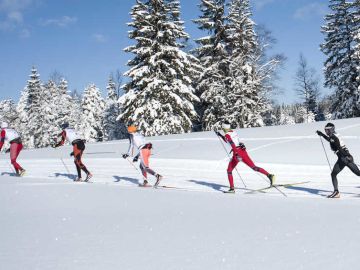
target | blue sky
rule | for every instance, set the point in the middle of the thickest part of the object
(84, 40)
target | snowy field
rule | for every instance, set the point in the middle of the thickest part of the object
(50, 222)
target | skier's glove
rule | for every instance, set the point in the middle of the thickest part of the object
(71, 154)
(125, 156)
(242, 146)
(136, 159)
(318, 132)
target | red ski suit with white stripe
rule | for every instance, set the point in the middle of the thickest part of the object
(16, 146)
(239, 154)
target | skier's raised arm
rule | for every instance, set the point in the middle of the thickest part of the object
(318, 132)
(62, 141)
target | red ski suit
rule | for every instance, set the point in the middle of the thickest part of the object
(15, 146)
(239, 154)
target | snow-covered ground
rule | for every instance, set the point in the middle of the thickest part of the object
(49, 222)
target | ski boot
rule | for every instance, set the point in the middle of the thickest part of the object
(20, 172)
(78, 179)
(272, 179)
(145, 184)
(231, 190)
(334, 195)
(158, 179)
(88, 176)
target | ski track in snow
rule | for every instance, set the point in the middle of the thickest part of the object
(194, 175)
(50, 222)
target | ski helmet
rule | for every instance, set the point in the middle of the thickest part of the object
(4, 124)
(329, 129)
(132, 129)
(226, 126)
(64, 125)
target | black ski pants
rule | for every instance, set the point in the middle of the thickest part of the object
(340, 164)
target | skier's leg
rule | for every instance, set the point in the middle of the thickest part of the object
(145, 155)
(78, 169)
(247, 160)
(338, 167)
(353, 167)
(77, 157)
(232, 164)
(80, 147)
(143, 171)
(15, 149)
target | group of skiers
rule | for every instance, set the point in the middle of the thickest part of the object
(140, 148)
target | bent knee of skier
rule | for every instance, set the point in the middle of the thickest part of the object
(255, 168)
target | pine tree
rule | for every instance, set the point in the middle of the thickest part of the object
(213, 55)
(65, 110)
(92, 108)
(21, 123)
(33, 129)
(113, 129)
(231, 84)
(49, 127)
(356, 35)
(340, 66)
(246, 102)
(160, 96)
(8, 111)
(284, 116)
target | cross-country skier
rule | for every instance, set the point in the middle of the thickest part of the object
(78, 144)
(10, 135)
(344, 157)
(140, 147)
(239, 154)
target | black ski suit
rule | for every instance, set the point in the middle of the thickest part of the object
(344, 158)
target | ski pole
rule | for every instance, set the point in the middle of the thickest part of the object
(66, 168)
(132, 164)
(230, 158)
(325, 153)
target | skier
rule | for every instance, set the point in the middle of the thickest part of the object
(139, 147)
(344, 157)
(10, 135)
(239, 154)
(78, 144)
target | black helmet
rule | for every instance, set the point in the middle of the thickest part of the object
(64, 125)
(329, 129)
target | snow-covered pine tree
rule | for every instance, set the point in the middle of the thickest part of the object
(66, 110)
(49, 115)
(356, 34)
(284, 116)
(213, 55)
(340, 66)
(21, 123)
(160, 96)
(8, 112)
(33, 127)
(246, 102)
(302, 115)
(92, 107)
(113, 129)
